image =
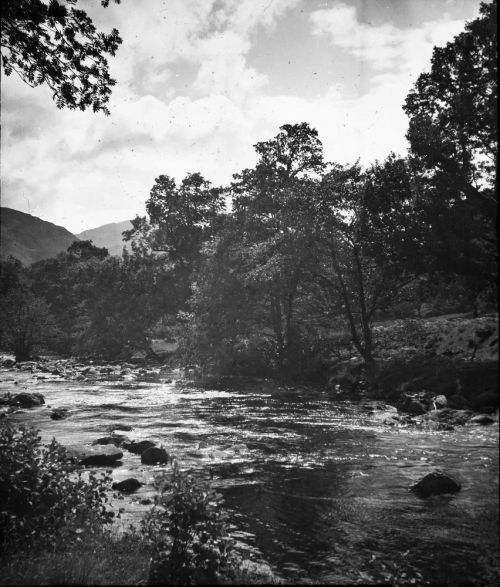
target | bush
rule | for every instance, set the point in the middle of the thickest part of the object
(45, 501)
(189, 535)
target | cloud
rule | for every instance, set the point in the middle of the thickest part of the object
(188, 100)
(384, 47)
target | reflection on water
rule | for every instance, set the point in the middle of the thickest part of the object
(318, 489)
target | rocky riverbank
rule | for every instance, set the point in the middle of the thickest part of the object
(438, 372)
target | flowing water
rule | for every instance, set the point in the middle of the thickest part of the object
(318, 488)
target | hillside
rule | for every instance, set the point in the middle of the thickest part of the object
(108, 235)
(29, 238)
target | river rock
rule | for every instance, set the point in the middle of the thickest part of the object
(127, 485)
(482, 420)
(116, 439)
(123, 427)
(101, 456)
(154, 455)
(392, 419)
(449, 416)
(138, 447)
(27, 400)
(27, 366)
(8, 362)
(439, 402)
(59, 413)
(436, 426)
(435, 483)
(415, 404)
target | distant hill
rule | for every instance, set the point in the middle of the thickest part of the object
(108, 235)
(29, 238)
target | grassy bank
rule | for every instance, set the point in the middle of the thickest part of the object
(100, 557)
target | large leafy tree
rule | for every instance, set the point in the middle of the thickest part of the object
(274, 248)
(25, 320)
(453, 138)
(181, 218)
(366, 236)
(56, 43)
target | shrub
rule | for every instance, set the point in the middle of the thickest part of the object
(189, 535)
(44, 499)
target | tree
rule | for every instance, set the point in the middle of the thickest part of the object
(275, 251)
(57, 44)
(26, 322)
(84, 250)
(367, 237)
(453, 138)
(180, 219)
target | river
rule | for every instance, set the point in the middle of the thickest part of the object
(316, 487)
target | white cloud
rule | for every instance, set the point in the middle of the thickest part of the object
(82, 170)
(384, 47)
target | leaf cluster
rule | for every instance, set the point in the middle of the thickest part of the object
(58, 45)
(188, 530)
(45, 500)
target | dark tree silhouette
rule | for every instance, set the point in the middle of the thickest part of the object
(57, 44)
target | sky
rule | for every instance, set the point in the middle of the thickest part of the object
(199, 82)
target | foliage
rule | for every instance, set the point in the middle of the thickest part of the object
(84, 250)
(453, 138)
(26, 322)
(10, 274)
(45, 499)
(307, 250)
(57, 44)
(99, 556)
(189, 534)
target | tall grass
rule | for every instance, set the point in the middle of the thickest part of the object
(100, 557)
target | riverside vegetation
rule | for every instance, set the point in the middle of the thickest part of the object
(300, 270)
(55, 525)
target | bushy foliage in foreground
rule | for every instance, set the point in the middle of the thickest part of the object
(44, 500)
(188, 531)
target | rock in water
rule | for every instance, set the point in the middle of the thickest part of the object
(99, 456)
(138, 447)
(127, 485)
(154, 455)
(435, 483)
(27, 400)
(482, 419)
(116, 439)
(59, 414)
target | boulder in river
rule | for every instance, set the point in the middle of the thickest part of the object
(449, 416)
(27, 400)
(154, 455)
(8, 362)
(59, 414)
(482, 420)
(127, 485)
(99, 456)
(439, 402)
(414, 403)
(435, 483)
(116, 439)
(138, 447)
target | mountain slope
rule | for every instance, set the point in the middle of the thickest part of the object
(29, 238)
(108, 235)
